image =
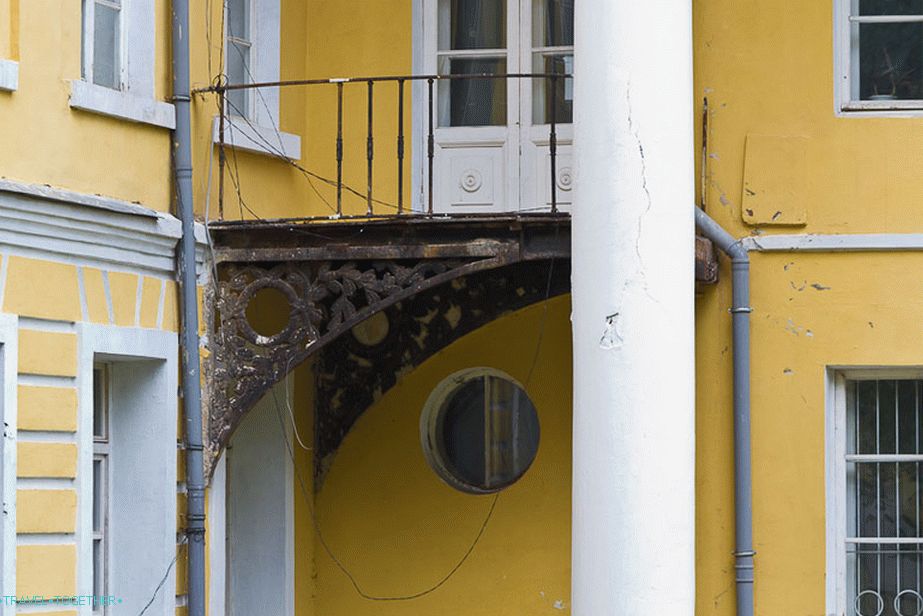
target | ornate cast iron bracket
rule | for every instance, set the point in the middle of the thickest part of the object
(325, 299)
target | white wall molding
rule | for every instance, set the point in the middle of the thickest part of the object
(859, 242)
(249, 136)
(9, 75)
(122, 105)
(55, 224)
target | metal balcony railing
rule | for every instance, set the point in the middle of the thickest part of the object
(374, 86)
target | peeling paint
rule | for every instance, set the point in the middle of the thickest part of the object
(611, 338)
(791, 328)
(558, 605)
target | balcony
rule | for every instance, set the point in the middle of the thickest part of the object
(458, 207)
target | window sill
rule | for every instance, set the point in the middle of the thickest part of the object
(881, 109)
(243, 135)
(9, 75)
(121, 105)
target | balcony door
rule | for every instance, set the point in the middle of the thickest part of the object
(492, 150)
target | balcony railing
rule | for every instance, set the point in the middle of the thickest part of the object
(397, 84)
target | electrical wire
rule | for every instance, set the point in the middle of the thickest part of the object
(165, 576)
(339, 564)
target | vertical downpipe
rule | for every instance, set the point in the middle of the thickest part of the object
(633, 542)
(743, 486)
(192, 396)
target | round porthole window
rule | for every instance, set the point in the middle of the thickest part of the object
(479, 430)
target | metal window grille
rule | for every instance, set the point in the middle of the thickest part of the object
(884, 561)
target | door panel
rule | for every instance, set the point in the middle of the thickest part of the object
(492, 149)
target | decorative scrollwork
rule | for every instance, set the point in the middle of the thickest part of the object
(324, 300)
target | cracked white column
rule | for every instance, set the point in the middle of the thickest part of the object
(633, 294)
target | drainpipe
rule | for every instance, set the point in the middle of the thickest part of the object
(740, 314)
(192, 396)
(633, 284)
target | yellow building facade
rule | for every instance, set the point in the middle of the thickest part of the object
(323, 497)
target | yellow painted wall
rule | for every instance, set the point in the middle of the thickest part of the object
(767, 71)
(319, 39)
(47, 142)
(399, 529)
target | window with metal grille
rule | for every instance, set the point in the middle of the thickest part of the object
(880, 54)
(879, 433)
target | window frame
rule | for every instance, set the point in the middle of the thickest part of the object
(135, 99)
(101, 495)
(846, 57)
(259, 132)
(836, 505)
(143, 385)
(89, 39)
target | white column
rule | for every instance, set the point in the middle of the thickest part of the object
(633, 294)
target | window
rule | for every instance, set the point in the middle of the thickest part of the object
(880, 54)
(492, 135)
(102, 29)
(252, 54)
(117, 78)
(100, 483)
(480, 431)
(238, 50)
(875, 505)
(126, 480)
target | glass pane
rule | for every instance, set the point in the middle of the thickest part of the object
(553, 23)
(99, 402)
(472, 24)
(473, 102)
(890, 61)
(97, 495)
(238, 72)
(98, 589)
(239, 19)
(563, 103)
(106, 46)
(461, 429)
(487, 433)
(890, 7)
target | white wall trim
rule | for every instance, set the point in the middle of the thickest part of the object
(244, 135)
(9, 337)
(126, 345)
(860, 242)
(217, 539)
(60, 225)
(121, 104)
(9, 75)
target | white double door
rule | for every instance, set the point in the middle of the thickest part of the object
(492, 136)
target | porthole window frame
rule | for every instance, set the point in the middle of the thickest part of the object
(429, 422)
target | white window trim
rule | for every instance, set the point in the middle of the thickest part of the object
(121, 343)
(122, 105)
(259, 132)
(247, 135)
(135, 100)
(844, 105)
(9, 75)
(835, 471)
(9, 336)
